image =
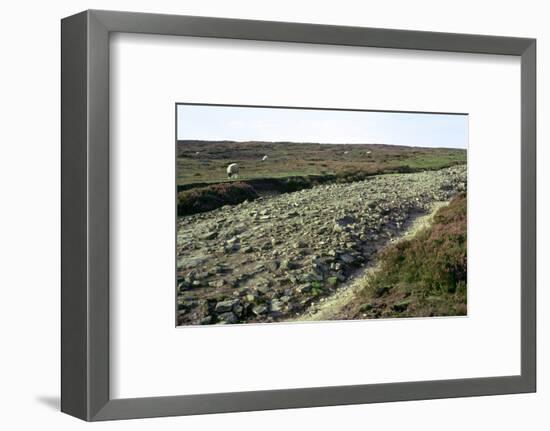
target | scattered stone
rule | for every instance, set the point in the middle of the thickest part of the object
(304, 288)
(259, 310)
(274, 248)
(276, 305)
(228, 317)
(289, 265)
(273, 265)
(250, 297)
(300, 244)
(347, 258)
(224, 306)
(206, 320)
(217, 283)
(262, 288)
(209, 235)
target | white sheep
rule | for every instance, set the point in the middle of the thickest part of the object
(264, 158)
(233, 170)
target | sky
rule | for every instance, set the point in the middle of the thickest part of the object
(232, 123)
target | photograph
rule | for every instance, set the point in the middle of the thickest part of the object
(300, 214)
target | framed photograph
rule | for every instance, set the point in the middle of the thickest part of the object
(264, 215)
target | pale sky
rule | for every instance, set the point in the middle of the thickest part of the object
(232, 123)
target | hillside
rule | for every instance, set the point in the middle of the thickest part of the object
(268, 259)
(204, 162)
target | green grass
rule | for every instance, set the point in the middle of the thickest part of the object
(424, 275)
(201, 168)
(204, 162)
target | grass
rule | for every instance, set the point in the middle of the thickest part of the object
(424, 275)
(205, 162)
(201, 167)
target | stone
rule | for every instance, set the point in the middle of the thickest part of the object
(183, 286)
(287, 264)
(266, 246)
(206, 320)
(225, 306)
(250, 297)
(314, 276)
(259, 310)
(209, 235)
(305, 288)
(230, 248)
(347, 258)
(219, 283)
(238, 310)
(273, 265)
(218, 269)
(341, 276)
(228, 317)
(319, 268)
(341, 223)
(191, 262)
(276, 305)
(300, 244)
(262, 288)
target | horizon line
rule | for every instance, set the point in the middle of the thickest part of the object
(315, 143)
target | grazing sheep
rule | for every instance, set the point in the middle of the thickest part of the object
(264, 158)
(233, 170)
(346, 152)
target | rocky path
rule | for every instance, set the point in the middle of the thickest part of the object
(270, 259)
(331, 307)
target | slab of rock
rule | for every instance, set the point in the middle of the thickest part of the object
(225, 306)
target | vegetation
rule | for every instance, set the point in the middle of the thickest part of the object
(205, 162)
(203, 184)
(203, 199)
(425, 275)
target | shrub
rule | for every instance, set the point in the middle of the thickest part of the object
(294, 184)
(208, 198)
(436, 257)
(431, 267)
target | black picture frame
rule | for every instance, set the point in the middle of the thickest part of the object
(85, 214)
